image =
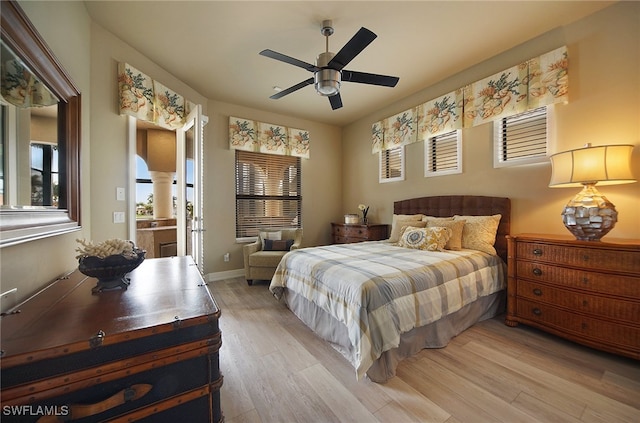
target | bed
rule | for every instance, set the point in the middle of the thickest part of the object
(378, 302)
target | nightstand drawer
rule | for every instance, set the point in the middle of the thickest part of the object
(347, 233)
(579, 325)
(587, 258)
(627, 286)
(580, 302)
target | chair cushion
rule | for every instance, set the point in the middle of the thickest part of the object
(266, 258)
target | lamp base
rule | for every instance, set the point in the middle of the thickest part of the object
(589, 215)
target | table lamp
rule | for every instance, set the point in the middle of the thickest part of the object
(589, 215)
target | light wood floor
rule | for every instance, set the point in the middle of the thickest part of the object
(276, 370)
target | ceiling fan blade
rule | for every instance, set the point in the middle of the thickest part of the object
(336, 101)
(362, 39)
(290, 60)
(369, 78)
(292, 89)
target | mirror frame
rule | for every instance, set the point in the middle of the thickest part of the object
(22, 224)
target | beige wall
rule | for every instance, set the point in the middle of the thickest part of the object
(321, 183)
(604, 108)
(65, 26)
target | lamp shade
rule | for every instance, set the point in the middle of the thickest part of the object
(605, 165)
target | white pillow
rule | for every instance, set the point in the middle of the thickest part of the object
(479, 232)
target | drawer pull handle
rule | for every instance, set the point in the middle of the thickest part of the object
(585, 257)
(536, 311)
(537, 292)
(537, 271)
(585, 280)
(585, 303)
(537, 252)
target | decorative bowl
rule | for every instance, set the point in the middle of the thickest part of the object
(110, 271)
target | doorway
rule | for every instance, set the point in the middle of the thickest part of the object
(165, 188)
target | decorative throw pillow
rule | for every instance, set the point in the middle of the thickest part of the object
(479, 232)
(277, 244)
(455, 241)
(429, 239)
(399, 221)
(269, 234)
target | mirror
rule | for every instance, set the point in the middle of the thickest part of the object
(40, 144)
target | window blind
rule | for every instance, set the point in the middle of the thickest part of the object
(443, 154)
(392, 164)
(523, 136)
(268, 192)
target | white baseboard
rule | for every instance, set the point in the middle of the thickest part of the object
(227, 274)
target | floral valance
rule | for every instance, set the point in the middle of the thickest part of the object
(260, 137)
(22, 88)
(149, 100)
(537, 82)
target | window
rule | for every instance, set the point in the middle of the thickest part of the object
(522, 139)
(268, 192)
(443, 154)
(392, 165)
(44, 175)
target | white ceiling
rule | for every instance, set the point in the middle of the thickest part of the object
(213, 46)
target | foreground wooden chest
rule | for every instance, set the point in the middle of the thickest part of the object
(148, 353)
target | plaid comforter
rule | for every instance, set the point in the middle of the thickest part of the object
(379, 291)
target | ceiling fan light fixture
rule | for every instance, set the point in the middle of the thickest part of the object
(327, 82)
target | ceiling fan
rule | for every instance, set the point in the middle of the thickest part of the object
(329, 72)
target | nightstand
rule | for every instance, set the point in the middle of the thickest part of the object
(342, 233)
(585, 291)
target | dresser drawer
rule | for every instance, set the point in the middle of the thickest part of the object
(585, 328)
(627, 286)
(582, 257)
(579, 302)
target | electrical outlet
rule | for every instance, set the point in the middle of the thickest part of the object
(118, 217)
(226, 256)
(120, 194)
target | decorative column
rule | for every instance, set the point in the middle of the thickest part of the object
(162, 196)
(161, 159)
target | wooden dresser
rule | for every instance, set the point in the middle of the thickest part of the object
(148, 353)
(342, 233)
(585, 291)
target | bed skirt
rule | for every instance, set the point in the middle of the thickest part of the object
(434, 335)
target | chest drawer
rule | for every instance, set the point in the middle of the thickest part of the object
(587, 328)
(586, 258)
(596, 305)
(585, 291)
(627, 286)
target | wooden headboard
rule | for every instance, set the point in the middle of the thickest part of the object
(470, 205)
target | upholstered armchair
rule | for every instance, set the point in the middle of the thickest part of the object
(263, 256)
